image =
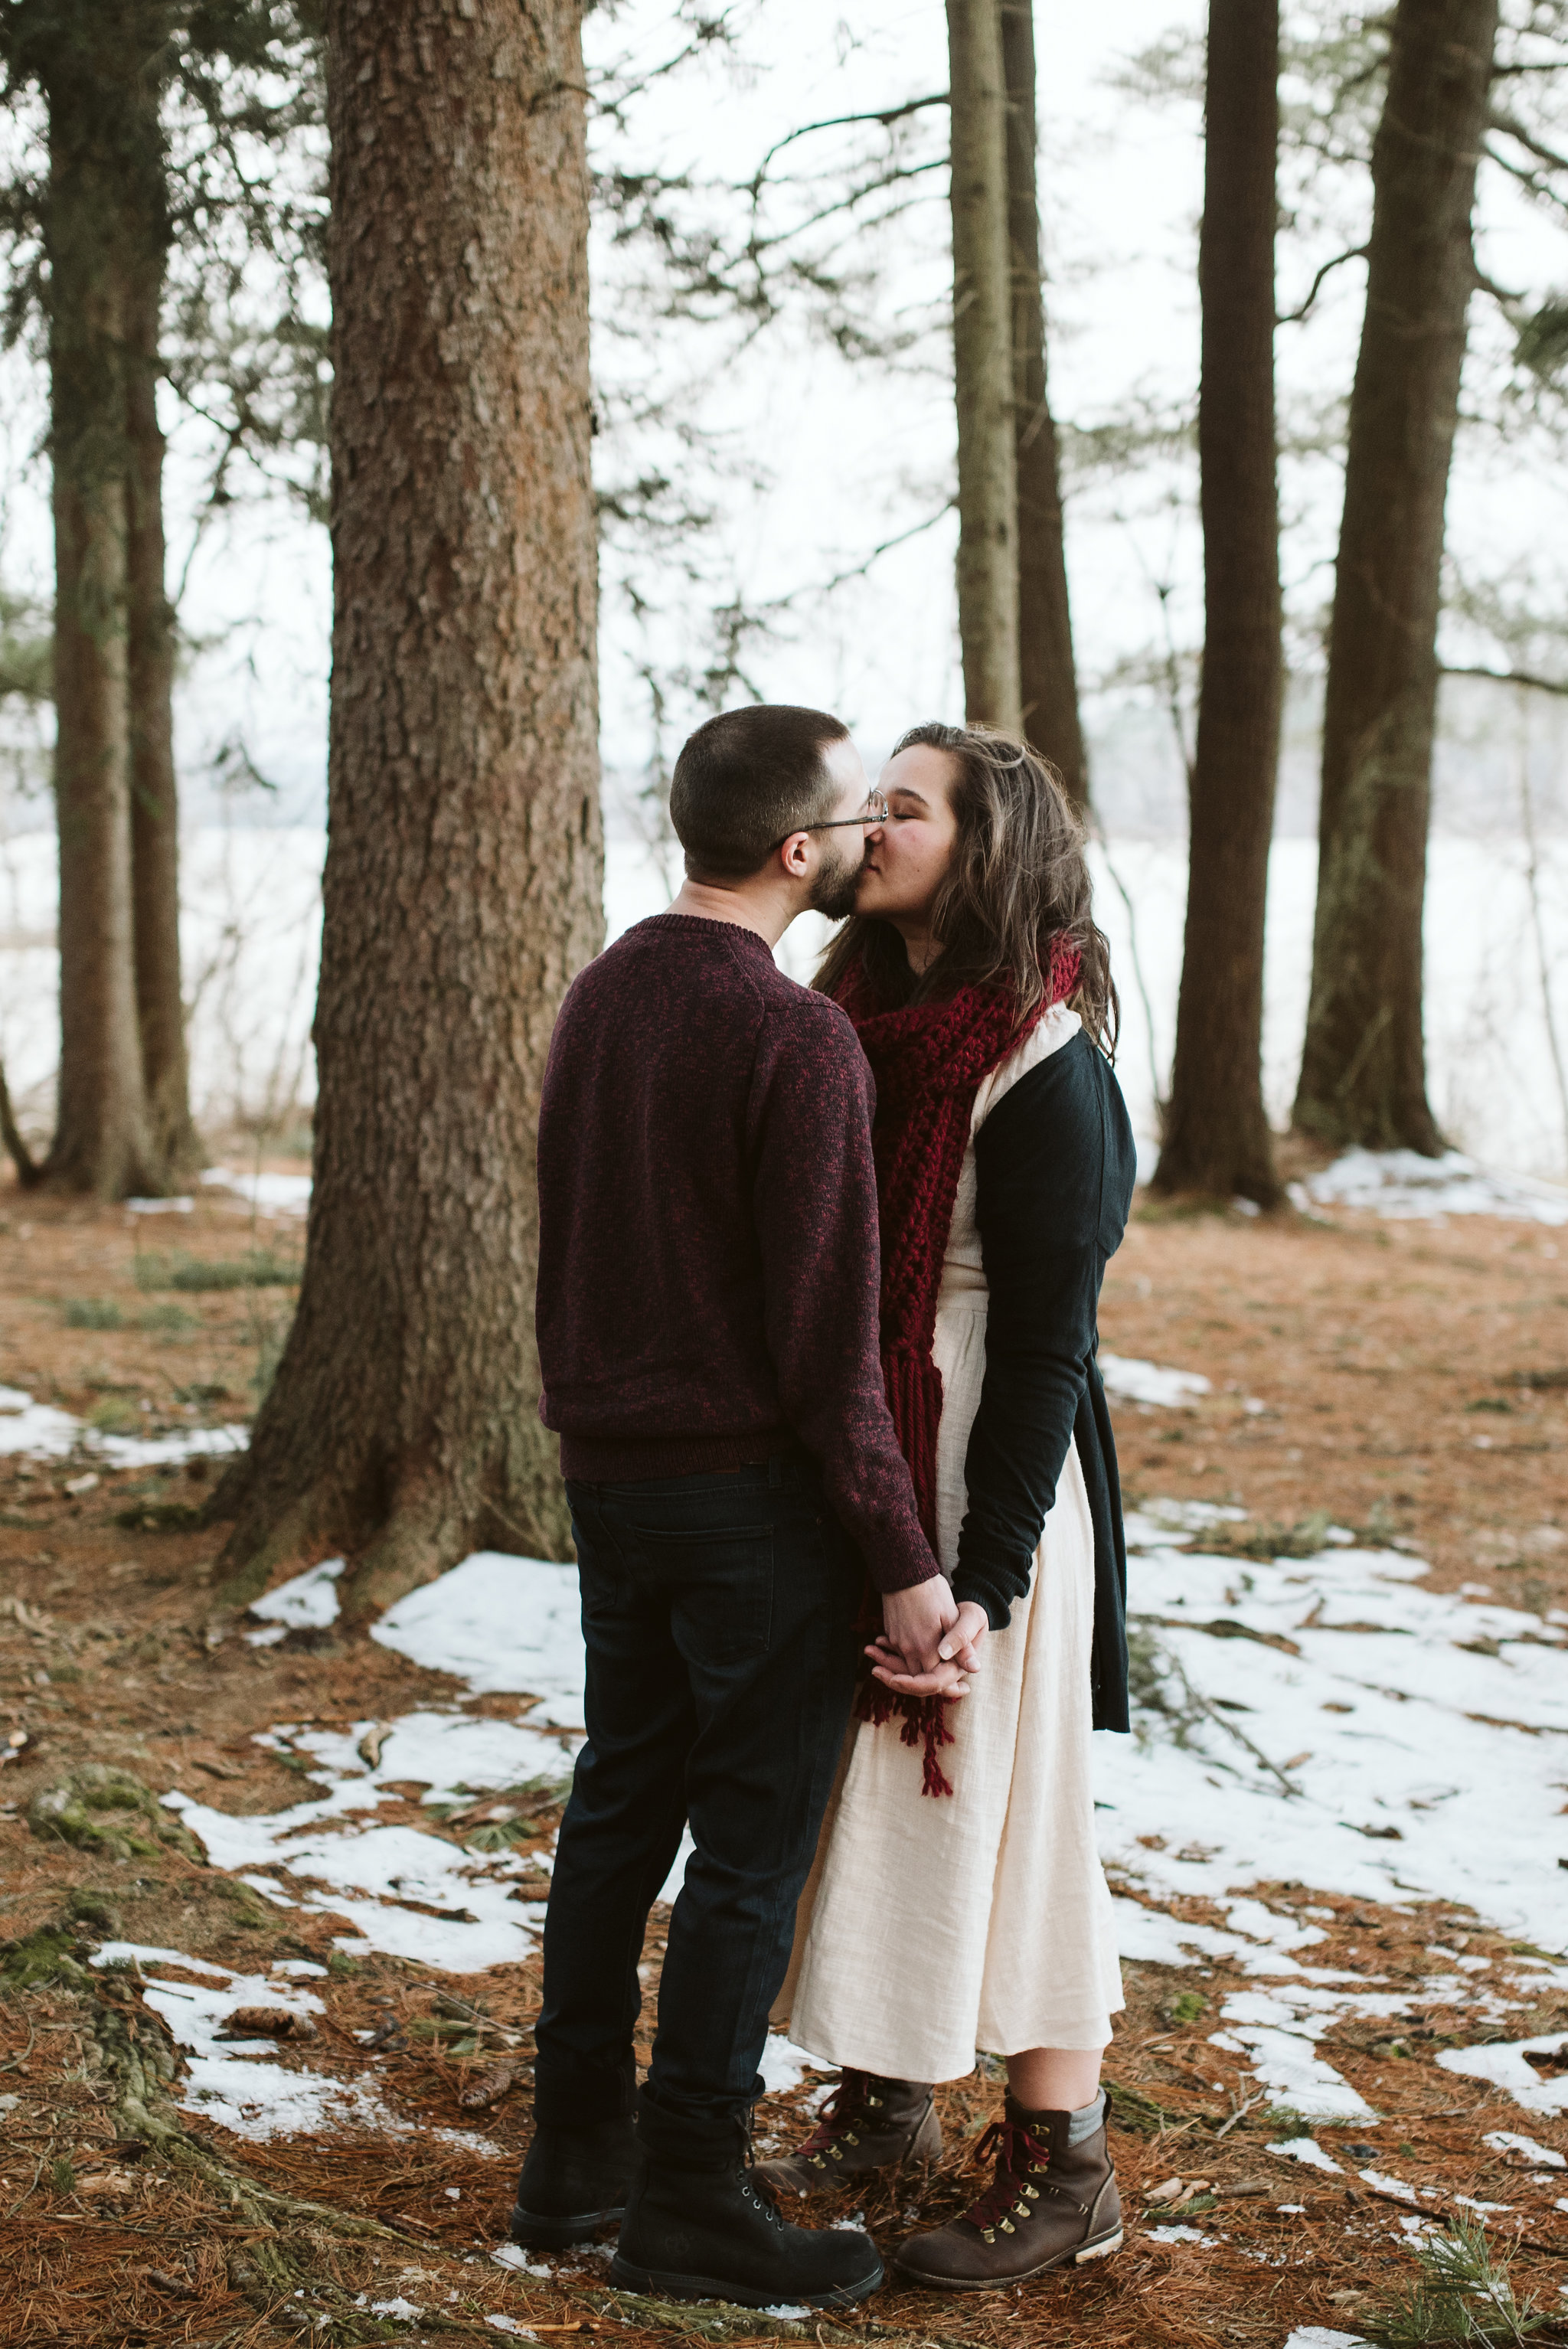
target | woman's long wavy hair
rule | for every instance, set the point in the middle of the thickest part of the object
(1019, 882)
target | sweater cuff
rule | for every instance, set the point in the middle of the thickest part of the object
(998, 1603)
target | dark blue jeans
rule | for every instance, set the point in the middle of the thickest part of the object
(719, 1613)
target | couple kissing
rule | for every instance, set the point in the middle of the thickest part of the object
(819, 1280)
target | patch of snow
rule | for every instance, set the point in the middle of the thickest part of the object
(1386, 2185)
(158, 1206)
(1176, 2235)
(1504, 2141)
(500, 1623)
(785, 2066)
(512, 2255)
(1506, 2068)
(307, 1602)
(1322, 2336)
(268, 1636)
(1401, 1184)
(237, 2087)
(284, 1194)
(1438, 1700)
(36, 1430)
(167, 1451)
(510, 2324)
(1307, 2149)
(1139, 1381)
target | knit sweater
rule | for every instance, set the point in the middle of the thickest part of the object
(708, 1243)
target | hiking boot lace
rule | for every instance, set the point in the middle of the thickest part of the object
(849, 2102)
(1011, 2195)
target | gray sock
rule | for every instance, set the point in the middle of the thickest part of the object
(1086, 2120)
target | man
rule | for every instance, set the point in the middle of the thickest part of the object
(707, 1330)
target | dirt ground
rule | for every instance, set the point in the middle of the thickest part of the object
(1413, 1385)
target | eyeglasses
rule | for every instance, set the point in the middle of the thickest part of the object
(875, 812)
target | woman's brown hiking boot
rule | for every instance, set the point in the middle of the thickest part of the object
(1050, 2203)
(867, 2124)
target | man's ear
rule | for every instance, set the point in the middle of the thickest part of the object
(792, 854)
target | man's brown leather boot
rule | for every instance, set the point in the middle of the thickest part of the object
(867, 2124)
(1050, 2203)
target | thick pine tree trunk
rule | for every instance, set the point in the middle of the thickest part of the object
(463, 880)
(154, 797)
(1362, 1072)
(983, 366)
(1216, 1135)
(103, 1141)
(1048, 678)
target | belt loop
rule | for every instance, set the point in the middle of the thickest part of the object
(775, 1472)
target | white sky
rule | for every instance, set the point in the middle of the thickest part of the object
(853, 455)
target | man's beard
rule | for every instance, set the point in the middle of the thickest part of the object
(837, 885)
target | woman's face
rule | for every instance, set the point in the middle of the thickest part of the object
(907, 858)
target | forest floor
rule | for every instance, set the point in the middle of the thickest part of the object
(1398, 1388)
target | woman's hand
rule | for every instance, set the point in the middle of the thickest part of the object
(958, 1656)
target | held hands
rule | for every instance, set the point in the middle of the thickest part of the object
(929, 1644)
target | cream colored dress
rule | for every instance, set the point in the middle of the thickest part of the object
(935, 1926)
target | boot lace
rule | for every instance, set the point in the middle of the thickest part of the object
(845, 2105)
(1021, 2157)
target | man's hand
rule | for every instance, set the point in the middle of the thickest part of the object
(957, 1655)
(915, 1621)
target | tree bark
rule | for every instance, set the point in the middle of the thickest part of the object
(1363, 1074)
(1048, 678)
(464, 865)
(103, 1141)
(1216, 1136)
(982, 366)
(154, 795)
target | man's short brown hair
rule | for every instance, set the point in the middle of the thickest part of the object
(748, 779)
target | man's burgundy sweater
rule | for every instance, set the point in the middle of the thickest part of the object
(708, 1247)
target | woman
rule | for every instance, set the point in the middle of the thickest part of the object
(980, 1918)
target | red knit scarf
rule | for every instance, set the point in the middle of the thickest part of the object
(929, 1061)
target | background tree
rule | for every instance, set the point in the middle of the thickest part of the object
(464, 859)
(91, 233)
(1048, 679)
(94, 68)
(1216, 1135)
(1363, 1074)
(983, 366)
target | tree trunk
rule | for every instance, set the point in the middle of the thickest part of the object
(103, 1141)
(464, 865)
(154, 798)
(1216, 1135)
(1362, 1072)
(982, 366)
(1048, 679)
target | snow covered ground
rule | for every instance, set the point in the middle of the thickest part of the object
(1324, 1721)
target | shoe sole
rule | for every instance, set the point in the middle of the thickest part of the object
(662, 2284)
(538, 2233)
(1100, 2250)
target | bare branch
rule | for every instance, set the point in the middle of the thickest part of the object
(1289, 317)
(885, 117)
(1530, 677)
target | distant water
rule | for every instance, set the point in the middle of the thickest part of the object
(252, 912)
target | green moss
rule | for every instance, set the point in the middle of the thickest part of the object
(101, 1810)
(53, 1954)
(92, 1313)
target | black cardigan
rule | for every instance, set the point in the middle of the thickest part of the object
(1055, 1164)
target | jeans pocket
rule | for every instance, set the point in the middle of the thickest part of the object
(719, 1579)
